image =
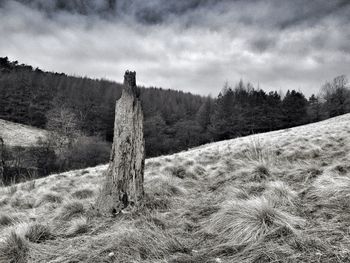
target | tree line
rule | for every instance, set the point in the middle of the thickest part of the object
(30, 96)
(82, 111)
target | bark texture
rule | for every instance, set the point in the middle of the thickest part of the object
(123, 186)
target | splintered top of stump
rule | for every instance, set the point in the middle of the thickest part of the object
(130, 82)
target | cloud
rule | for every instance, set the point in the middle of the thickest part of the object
(192, 45)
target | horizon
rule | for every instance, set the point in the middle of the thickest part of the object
(192, 46)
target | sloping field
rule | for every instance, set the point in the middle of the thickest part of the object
(15, 134)
(276, 197)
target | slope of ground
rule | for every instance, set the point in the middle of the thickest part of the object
(15, 134)
(274, 197)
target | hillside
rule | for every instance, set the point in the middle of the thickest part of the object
(29, 96)
(275, 197)
(15, 134)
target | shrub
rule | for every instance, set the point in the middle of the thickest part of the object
(86, 152)
(13, 249)
(245, 222)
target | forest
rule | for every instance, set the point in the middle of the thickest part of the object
(174, 120)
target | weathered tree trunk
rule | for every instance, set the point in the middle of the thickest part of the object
(123, 186)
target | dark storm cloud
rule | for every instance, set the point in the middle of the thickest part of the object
(195, 45)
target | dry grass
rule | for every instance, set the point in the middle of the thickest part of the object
(148, 242)
(49, 197)
(71, 209)
(15, 134)
(37, 233)
(78, 226)
(245, 222)
(275, 197)
(281, 194)
(13, 249)
(331, 190)
(6, 220)
(83, 194)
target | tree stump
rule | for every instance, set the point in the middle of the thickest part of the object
(123, 186)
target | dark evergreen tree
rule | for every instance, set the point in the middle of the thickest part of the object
(294, 108)
(204, 114)
(314, 110)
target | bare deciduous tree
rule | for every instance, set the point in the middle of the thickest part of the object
(336, 95)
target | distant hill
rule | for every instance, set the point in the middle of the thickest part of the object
(281, 196)
(15, 134)
(28, 94)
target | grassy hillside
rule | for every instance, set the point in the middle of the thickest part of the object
(15, 134)
(275, 197)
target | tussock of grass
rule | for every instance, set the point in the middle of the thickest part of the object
(6, 220)
(153, 164)
(29, 186)
(258, 160)
(331, 190)
(260, 172)
(83, 193)
(84, 172)
(50, 197)
(302, 151)
(257, 151)
(4, 201)
(286, 249)
(11, 190)
(22, 200)
(146, 243)
(37, 233)
(311, 173)
(236, 193)
(161, 192)
(78, 226)
(280, 193)
(61, 188)
(199, 170)
(71, 209)
(255, 188)
(245, 222)
(164, 187)
(13, 249)
(341, 168)
(180, 171)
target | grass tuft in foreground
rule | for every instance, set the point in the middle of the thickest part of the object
(13, 249)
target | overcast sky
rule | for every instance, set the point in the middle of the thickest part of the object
(190, 45)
